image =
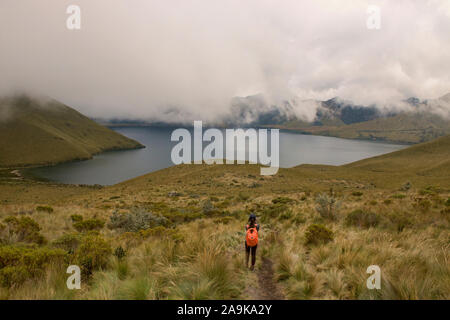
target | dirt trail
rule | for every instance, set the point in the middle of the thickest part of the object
(267, 287)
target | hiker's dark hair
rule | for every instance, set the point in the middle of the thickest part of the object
(252, 220)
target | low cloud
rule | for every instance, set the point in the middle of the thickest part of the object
(184, 60)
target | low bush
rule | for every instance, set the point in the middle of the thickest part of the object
(23, 229)
(400, 220)
(398, 196)
(362, 219)
(274, 210)
(89, 225)
(68, 242)
(423, 205)
(136, 220)
(18, 264)
(76, 218)
(92, 254)
(447, 203)
(47, 209)
(318, 234)
(357, 193)
(284, 200)
(162, 232)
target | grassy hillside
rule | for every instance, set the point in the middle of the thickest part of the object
(404, 128)
(35, 132)
(178, 233)
(430, 158)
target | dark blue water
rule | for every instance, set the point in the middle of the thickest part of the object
(116, 166)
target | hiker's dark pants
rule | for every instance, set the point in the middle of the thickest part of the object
(252, 250)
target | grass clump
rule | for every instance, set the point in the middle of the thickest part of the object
(362, 219)
(318, 234)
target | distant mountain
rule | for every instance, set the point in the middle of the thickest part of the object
(413, 121)
(421, 121)
(44, 131)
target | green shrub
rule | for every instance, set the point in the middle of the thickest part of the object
(92, 254)
(162, 232)
(243, 196)
(398, 196)
(430, 190)
(274, 210)
(406, 186)
(136, 220)
(224, 220)
(283, 200)
(423, 205)
(120, 253)
(387, 201)
(447, 203)
(18, 264)
(23, 229)
(317, 234)
(68, 242)
(285, 215)
(357, 193)
(47, 209)
(327, 206)
(362, 219)
(208, 207)
(88, 225)
(76, 218)
(400, 220)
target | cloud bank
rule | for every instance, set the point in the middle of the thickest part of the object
(184, 60)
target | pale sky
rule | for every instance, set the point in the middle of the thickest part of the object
(142, 59)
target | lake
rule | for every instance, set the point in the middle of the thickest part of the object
(116, 166)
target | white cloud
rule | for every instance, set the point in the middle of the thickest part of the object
(142, 58)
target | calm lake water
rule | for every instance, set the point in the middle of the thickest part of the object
(116, 166)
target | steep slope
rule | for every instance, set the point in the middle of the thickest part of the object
(36, 131)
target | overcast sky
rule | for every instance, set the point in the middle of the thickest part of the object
(143, 58)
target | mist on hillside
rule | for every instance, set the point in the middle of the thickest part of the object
(179, 61)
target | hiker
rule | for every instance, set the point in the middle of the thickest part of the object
(251, 239)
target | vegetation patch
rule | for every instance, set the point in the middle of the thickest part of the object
(47, 209)
(362, 219)
(18, 264)
(327, 206)
(89, 225)
(318, 234)
(135, 220)
(22, 229)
